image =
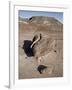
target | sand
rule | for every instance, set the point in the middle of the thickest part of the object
(53, 61)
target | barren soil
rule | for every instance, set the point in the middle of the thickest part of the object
(53, 61)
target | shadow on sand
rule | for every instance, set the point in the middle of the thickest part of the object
(27, 49)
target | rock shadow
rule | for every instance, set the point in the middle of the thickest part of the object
(27, 49)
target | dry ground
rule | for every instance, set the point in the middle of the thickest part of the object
(28, 65)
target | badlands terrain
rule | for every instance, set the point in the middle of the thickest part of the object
(28, 65)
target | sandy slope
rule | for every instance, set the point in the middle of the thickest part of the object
(28, 65)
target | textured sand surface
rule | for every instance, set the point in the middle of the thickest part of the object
(53, 60)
